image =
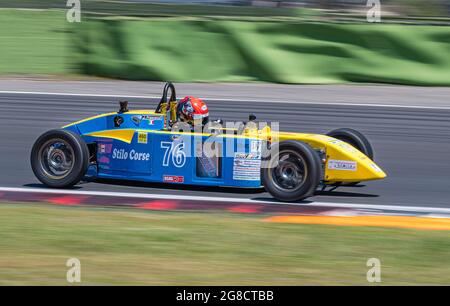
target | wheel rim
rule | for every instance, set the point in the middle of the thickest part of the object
(57, 158)
(290, 173)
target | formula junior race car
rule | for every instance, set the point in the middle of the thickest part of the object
(144, 145)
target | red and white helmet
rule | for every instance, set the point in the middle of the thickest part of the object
(193, 111)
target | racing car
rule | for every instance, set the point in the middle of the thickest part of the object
(144, 145)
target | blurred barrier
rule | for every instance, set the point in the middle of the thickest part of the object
(186, 50)
(34, 42)
(416, 11)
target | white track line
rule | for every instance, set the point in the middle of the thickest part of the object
(76, 94)
(437, 210)
(225, 99)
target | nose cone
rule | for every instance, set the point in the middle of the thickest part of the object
(375, 171)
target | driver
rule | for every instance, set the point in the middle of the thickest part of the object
(192, 111)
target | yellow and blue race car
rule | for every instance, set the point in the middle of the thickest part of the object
(150, 146)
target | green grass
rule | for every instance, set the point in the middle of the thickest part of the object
(34, 42)
(162, 248)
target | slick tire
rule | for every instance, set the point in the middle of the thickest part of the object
(59, 158)
(292, 172)
(355, 139)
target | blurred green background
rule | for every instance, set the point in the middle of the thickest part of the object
(307, 42)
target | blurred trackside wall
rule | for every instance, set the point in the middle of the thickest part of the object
(223, 49)
(190, 50)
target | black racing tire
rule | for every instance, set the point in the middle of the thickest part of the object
(355, 139)
(296, 158)
(59, 158)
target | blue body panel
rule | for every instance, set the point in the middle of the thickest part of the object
(158, 155)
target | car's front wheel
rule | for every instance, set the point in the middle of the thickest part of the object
(59, 158)
(292, 172)
(355, 139)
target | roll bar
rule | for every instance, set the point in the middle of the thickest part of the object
(173, 96)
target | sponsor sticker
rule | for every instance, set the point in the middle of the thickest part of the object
(104, 148)
(347, 165)
(134, 155)
(142, 137)
(136, 119)
(151, 119)
(173, 178)
(247, 166)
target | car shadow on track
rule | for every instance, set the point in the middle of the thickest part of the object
(345, 191)
(214, 189)
(335, 193)
(42, 186)
(179, 187)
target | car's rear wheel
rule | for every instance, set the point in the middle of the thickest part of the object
(59, 158)
(292, 172)
(355, 139)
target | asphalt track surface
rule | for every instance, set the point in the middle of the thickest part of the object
(411, 144)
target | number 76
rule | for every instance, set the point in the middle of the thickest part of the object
(173, 152)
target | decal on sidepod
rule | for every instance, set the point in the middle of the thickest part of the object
(347, 165)
(247, 166)
(122, 154)
(142, 137)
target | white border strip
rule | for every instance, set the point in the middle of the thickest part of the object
(225, 99)
(437, 210)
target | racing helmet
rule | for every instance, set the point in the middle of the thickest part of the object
(192, 111)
